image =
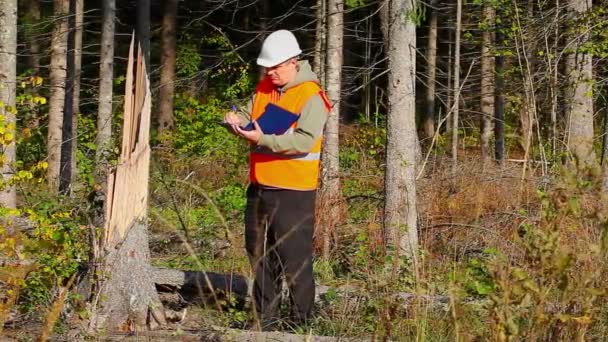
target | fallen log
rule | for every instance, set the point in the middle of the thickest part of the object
(168, 279)
(200, 283)
(225, 334)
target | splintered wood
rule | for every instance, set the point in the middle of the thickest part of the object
(127, 197)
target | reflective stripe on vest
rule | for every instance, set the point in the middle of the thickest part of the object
(285, 171)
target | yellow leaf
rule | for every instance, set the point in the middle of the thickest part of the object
(1, 104)
(8, 136)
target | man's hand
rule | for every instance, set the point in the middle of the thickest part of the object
(231, 118)
(252, 136)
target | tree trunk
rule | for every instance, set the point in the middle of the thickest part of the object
(456, 86)
(142, 29)
(65, 171)
(8, 81)
(605, 153)
(525, 44)
(499, 108)
(167, 61)
(77, 71)
(330, 199)
(32, 18)
(428, 121)
(580, 109)
(487, 82)
(400, 216)
(57, 96)
(126, 298)
(448, 87)
(320, 42)
(103, 140)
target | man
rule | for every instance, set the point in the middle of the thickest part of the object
(284, 169)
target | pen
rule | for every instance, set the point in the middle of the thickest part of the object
(233, 108)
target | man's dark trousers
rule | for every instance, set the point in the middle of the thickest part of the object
(279, 226)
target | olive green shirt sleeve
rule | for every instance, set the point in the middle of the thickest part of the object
(310, 127)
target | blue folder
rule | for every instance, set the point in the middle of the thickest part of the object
(275, 120)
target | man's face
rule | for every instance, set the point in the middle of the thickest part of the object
(283, 73)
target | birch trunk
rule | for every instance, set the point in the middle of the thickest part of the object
(167, 61)
(8, 81)
(330, 199)
(580, 109)
(400, 214)
(59, 43)
(103, 140)
(428, 121)
(487, 83)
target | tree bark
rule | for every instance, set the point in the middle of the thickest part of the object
(487, 82)
(32, 17)
(605, 153)
(456, 86)
(127, 298)
(428, 121)
(167, 61)
(142, 29)
(499, 108)
(103, 140)
(57, 96)
(65, 172)
(8, 81)
(400, 216)
(330, 199)
(320, 42)
(77, 72)
(526, 45)
(580, 108)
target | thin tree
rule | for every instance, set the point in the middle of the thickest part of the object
(59, 42)
(330, 178)
(320, 42)
(487, 81)
(106, 76)
(8, 81)
(78, 30)
(167, 65)
(428, 121)
(142, 28)
(499, 104)
(456, 85)
(32, 18)
(400, 216)
(605, 153)
(67, 131)
(580, 107)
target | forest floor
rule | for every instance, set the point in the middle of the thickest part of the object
(469, 217)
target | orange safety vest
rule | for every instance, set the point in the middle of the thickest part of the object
(278, 170)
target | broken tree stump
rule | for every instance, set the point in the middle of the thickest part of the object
(126, 298)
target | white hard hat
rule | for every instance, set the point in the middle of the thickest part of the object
(278, 47)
